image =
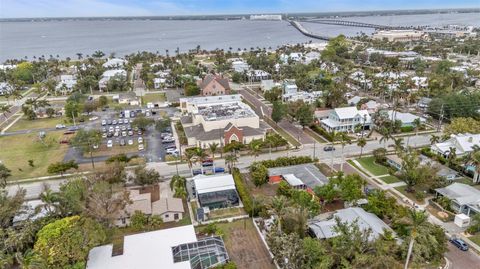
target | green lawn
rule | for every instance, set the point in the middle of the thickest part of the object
(390, 179)
(25, 124)
(226, 213)
(154, 98)
(18, 149)
(375, 169)
(476, 238)
(410, 195)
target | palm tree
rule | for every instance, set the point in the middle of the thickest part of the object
(278, 207)
(255, 147)
(178, 185)
(49, 199)
(398, 145)
(200, 156)
(230, 161)
(189, 158)
(213, 149)
(362, 142)
(4, 109)
(416, 219)
(344, 139)
(434, 139)
(476, 162)
(386, 135)
(416, 125)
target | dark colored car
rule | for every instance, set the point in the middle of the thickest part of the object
(459, 243)
(329, 148)
(219, 170)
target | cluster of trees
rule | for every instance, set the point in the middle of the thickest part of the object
(346, 188)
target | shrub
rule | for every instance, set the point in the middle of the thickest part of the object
(407, 129)
(242, 191)
(427, 152)
(419, 195)
(319, 130)
(380, 155)
(286, 161)
(259, 174)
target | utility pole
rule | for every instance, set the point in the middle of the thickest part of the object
(314, 144)
(441, 119)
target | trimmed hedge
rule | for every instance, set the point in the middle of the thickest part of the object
(286, 161)
(319, 130)
(407, 129)
(242, 191)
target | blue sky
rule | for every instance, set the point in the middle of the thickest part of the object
(85, 8)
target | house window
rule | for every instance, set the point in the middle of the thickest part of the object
(175, 216)
(166, 215)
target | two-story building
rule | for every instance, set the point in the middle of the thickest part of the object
(345, 119)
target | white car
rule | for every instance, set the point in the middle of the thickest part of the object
(172, 151)
(109, 143)
(60, 126)
(116, 134)
(140, 140)
(140, 147)
(124, 133)
(95, 146)
(104, 122)
(104, 135)
(130, 142)
(120, 121)
(93, 118)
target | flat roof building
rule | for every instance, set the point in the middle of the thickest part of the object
(298, 175)
(400, 35)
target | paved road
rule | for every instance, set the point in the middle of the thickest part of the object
(462, 259)
(261, 109)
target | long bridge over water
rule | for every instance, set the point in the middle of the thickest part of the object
(304, 31)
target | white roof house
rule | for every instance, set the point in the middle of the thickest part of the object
(214, 183)
(293, 180)
(108, 74)
(463, 144)
(159, 249)
(324, 229)
(420, 82)
(5, 88)
(464, 198)
(354, 100)
(344, 119)
(240, 66)
(114, 62)
(268, 84)
(407, 119)
(307, 97)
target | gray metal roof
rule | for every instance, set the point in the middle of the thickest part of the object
(307, 173)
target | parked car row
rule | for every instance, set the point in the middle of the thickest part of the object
(115, 122)
(124, 142)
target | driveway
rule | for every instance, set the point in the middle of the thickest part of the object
(462, 259)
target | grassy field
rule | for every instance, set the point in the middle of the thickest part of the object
(390, 179)
(18, 149)
(25, 124)
(375, 169)
(244, 245)
(475, 238)
(154, 98)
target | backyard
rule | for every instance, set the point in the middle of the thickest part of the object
(17, 150)
(244, 245)
(226, 213)
(153, 98)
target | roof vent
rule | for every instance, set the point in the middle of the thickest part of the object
(470, 139)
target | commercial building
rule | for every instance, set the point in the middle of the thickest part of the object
(220, 119)
(345, 119)
(174, 248)
(464, 198)
(215, 191)
(400, 35)
(324, 228)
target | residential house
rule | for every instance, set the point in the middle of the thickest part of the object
(240, 66)
(128, 98)
(441, 170)
(5, 88)
(289, 86)
(464, 198)
(258, 75)
(302, 176)
(307, 97)
(214, 85)
(109, 74)
(159, 83)
(173, 248)
(424, 102)
(407, 119)
(311, 56)
(461, 143)
(114, 63)
(294, 56)
(149, 203)
(66, 84)
(321, 114)
(371, 106)
(325, 227)
(354, 100)
(345, 119)
(214, 191)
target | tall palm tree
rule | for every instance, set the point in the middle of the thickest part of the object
(434, 139)
(278, 206)
(416, 125)
(49, 199)
(200, 156)
(344, 139)
(230, 161)
(189, 158)
(213, 147)
(4, 109)
(362, 142)
(416, 219)
(386, 135)
(398, 145)
(255, 147)
(476, 162)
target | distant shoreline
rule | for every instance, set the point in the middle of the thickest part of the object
(245, 16)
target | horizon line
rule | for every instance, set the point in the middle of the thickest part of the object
(470, 9)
